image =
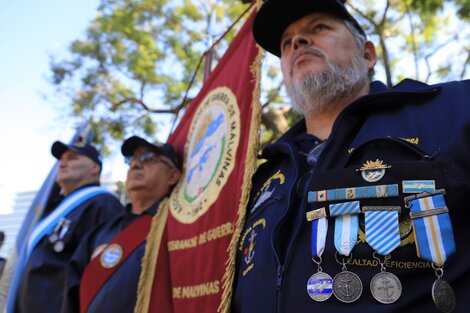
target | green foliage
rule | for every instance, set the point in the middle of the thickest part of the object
(136, 60)
(131, 70)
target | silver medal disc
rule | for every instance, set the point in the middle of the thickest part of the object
(53, 238)
(319, 286)
(347, 287)
(385, 287)
(443, 296)
(59, 246)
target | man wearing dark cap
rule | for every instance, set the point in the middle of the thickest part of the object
(40, 280)
(104, 273)
(359, 205)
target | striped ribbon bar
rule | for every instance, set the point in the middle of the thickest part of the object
(353, 193)
(418, 186)
(432, 226)
(345, 208)
(382, 228)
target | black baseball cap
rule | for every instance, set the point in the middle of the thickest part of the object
(275, 16)
(58, 148)
(165, 149)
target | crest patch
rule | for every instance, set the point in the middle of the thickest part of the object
(111, 256)
(210, 152)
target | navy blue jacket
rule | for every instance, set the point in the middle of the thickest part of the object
(119, 292)
(423, 132)
(41, 287)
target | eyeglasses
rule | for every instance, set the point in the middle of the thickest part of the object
(147, 158)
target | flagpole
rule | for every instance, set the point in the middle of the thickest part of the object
(203, 56)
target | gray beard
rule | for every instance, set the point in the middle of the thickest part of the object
(322, 92)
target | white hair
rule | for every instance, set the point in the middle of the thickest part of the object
(320, 92)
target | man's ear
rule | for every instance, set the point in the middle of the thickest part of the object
(370, 54)
(175, 176)
(95, 169)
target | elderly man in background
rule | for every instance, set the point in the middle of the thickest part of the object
(39, 277)
(103, 275)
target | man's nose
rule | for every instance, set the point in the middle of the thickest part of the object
(135, 163)
(299, 41)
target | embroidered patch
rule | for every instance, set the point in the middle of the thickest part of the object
(248, 245)
(209, 156)
(268, 189)
(111, 256)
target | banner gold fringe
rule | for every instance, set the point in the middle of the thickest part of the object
(250, 163)
(149, 261)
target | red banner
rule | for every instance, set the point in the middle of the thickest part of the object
(217, 139)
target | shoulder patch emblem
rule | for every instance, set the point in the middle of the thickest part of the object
(111, 256)
(248, 245)
(267, 189)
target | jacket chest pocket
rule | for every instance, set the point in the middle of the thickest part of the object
(391, 165)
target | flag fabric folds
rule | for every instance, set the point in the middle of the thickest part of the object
(217, 139)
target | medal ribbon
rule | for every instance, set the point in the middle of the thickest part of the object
(382, 230)
(433, 229)
(346, 225)
(318, 239)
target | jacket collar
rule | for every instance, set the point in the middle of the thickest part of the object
(405, 87)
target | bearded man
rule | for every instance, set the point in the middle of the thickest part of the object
(359, 205)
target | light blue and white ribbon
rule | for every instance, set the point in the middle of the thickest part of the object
(346, 225)
(418, 186)
(382, 230)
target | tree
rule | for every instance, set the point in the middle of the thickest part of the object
(132, 70)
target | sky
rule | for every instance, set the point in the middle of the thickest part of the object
(30, 32)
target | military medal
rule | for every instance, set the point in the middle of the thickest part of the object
(57, 236)
(319, 285)
(373, 171)
(443, 296)
(59, 246)
(53, 237)
(347, 286)
(385, 287)
(383, 235)
(434, 240)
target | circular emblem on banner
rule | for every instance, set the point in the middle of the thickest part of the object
(210, 153)
(111, 256)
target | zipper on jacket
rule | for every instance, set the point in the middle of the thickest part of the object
(289, 251)
(280, 272)
(280, 266)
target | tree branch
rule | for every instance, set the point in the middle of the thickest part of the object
(144, 106)
(464, 69)
(429, 55)
(413, 39)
